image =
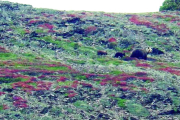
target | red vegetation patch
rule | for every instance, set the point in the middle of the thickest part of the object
(171, 70)
(140, 74)
(5, 107)
(3, 50)
(2, 93)
(72, 95)
(46, 15)
(19, 102)
(46, 26)
(71, 15)
(161, 28)
(161, 63)
(62, 79)
(144, 89)
(112, 40)
(103, 83)
(90, 29)
(86, 84)
(124, 88)
(75, 84)
(145, 65)
(41, 85)
(108, 15)
(33, 21)
(178, 24)
(27, 31)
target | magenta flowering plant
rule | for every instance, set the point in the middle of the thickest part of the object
(90, 29)
(140, 74)
(72, 95)
(61, 79)
(19, 102)
(103, 83)
(2, 93)
(33, 21)
(46, 26)
(5, 107)
(86, 84)
(71, 15)
(171, 70)
(145, 65)
(112, 40)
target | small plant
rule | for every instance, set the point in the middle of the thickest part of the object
(137, 109)
(121, 102)
(80, 77)
(115, 72)
(90, 29)
(66, 83)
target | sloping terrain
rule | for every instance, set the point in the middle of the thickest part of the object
(50, 68)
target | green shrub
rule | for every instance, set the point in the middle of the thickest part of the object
(170, 5)
(83, 105)
(115, 72)
(137, 109)
(121, 102)
(7, 56)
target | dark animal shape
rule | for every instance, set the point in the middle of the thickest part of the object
(103, 42)
(34, 34)
(156, 51)
(73, 20)
(101, 52)
(140, 54)
(119, 54)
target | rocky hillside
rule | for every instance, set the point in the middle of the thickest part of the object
(61, 65)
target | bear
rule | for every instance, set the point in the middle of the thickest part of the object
(140, 53)
(156, 51)
(119, 54)
(101, 52)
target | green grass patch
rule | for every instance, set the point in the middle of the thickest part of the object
(66, 83)
(20, 31)
(106, 61)
(87, 50)
(33, 84)
(82, 105)
(121, 102)
(115, 72)
(80, 77)
(10, 80)
(114, 62)
(1, 107)
(102, 60)
(7, 56)
(77, 61)
(56, 68)
(40, 31)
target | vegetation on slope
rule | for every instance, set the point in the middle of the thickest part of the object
(50, 67)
